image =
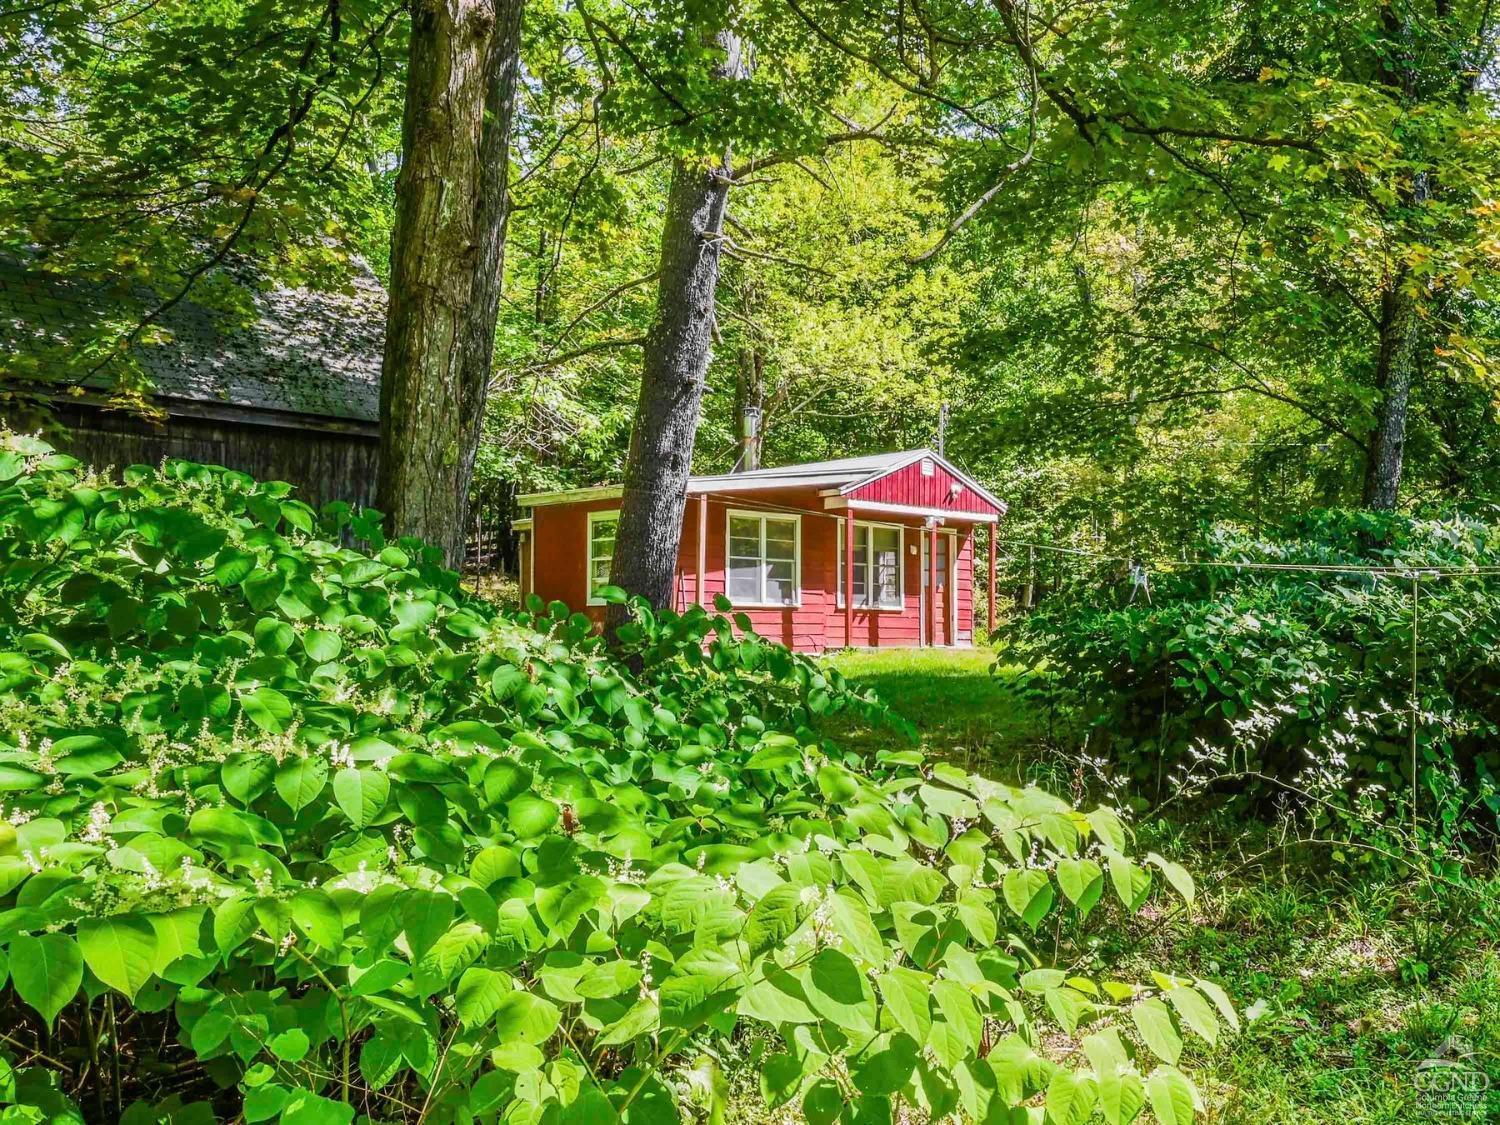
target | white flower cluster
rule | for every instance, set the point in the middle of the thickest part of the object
(647, 992)
(624, 871)
(99, 818)
(820, 931)
(340, 755)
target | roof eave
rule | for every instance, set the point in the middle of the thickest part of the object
(969, 482)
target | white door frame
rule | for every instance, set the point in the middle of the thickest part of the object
(950, 578)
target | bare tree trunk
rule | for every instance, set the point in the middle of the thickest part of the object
(677, 352)
(1393, 379)
(445, 262)
(493, 217)
(676, 360)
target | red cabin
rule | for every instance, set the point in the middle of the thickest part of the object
(784, 544)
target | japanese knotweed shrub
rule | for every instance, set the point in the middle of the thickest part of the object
(297, 831)
(1298, 678)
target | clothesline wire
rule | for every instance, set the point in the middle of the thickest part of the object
(1386, 570)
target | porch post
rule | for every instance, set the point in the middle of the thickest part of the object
(849, 578)
(994, 527)
(702, 544)
(932, 585)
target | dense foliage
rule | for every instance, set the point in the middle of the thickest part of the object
(1297, 677)
(146, 145)
(296, 830)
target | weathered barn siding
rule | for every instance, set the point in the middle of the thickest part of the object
(284, 384)
(323, 465)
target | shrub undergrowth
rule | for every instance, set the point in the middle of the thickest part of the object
(296, 830)
(1298, 683)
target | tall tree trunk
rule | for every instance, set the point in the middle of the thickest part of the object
(677, 352)
(1393, 379)
(478, 340)
(445, 262)
(676, 361)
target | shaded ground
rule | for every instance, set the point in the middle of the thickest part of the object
(1356, 977)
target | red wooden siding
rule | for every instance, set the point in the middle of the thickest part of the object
(908, 486)
(556, 560)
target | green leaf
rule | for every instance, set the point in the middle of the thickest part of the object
(1195, 1012)
(1121, 1091)
(274, 636)
(837, 784)
(530, 817)
(361, 794)
(46, 971)
(233, 566)
(1132, 882)
(907, 995)
(291, 1045)
(886, 1065)
(1220, 1000)
(268, 709)
(520, 1016)
(479, 995)
(1082, 881)
(318, 917)
(1153, 1020)
(1176, 875)
(322, 645)
(120, 950)
(425, 917)
(1071, 1096)
(306, 1108)
(955, 1037)
(247, 775)
(773, 919)
(1028, 892)
(1171, 1096)
(231, 827)
(839, 992)
(299, 780)
(1106, 825)
(823, 1104)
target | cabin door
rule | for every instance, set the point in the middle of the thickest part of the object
(943, 604)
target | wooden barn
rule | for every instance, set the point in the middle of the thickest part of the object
(898, 529)
(291, 392)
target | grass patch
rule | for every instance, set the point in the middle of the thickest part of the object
(965, 707)
(1355, 979)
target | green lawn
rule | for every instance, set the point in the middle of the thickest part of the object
(1357, 978)
(964, 706)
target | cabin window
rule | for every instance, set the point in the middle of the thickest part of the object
(878, 576)
(764, 557)
(603, 526)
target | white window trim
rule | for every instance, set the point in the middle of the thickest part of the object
(796, 521)
(900, 530)
(588, 552)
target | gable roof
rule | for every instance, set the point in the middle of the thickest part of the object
(845, 475)
(306, 357)
(840, 473)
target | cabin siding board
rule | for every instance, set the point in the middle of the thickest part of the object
(559, 538)
(908, 486)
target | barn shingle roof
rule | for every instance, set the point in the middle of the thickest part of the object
(304, 352)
